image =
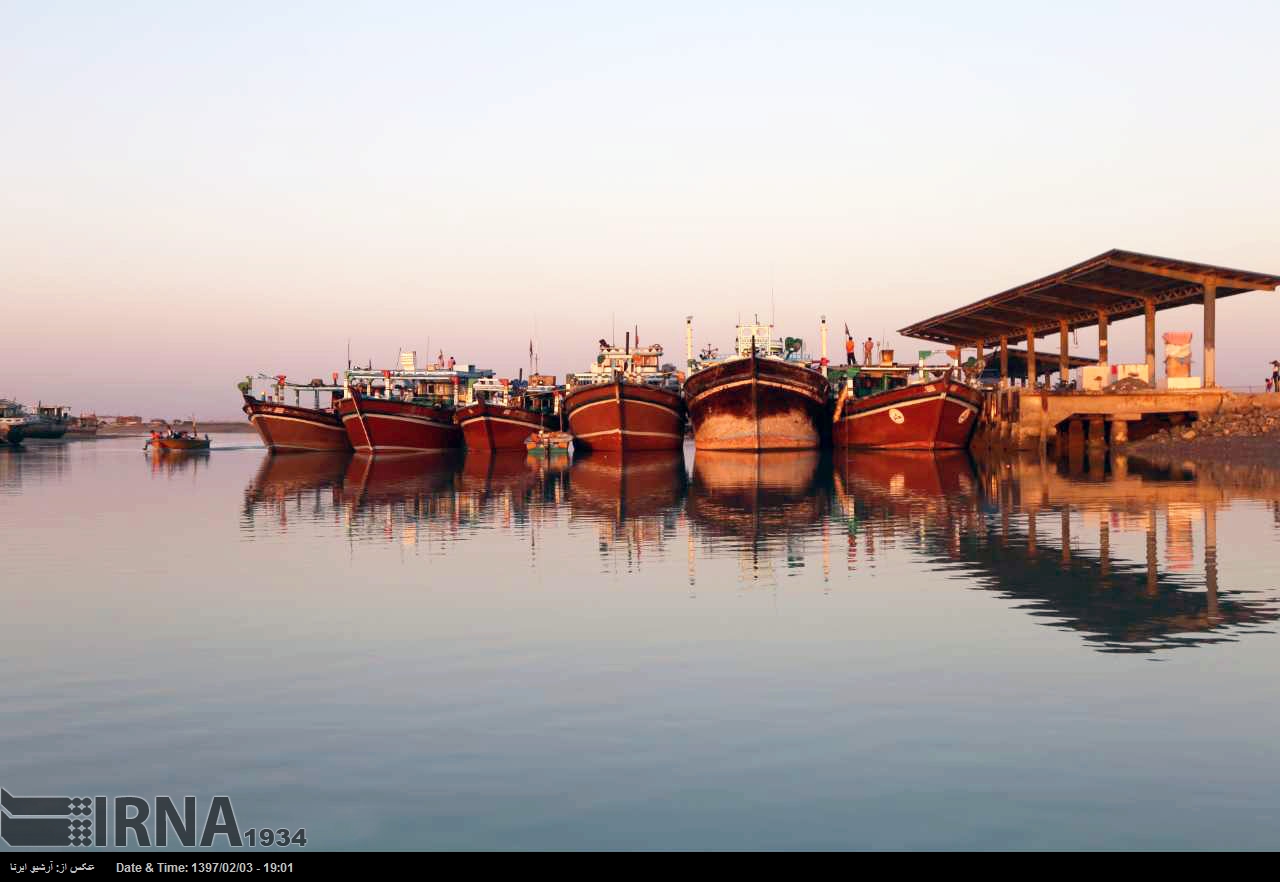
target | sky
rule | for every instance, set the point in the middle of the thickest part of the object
(194, 192)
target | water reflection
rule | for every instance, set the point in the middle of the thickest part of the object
(632, 499)
(171, 463)
(302, 485)
(763, 507)
(1124, 554)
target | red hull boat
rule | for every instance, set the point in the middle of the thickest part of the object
(625, 416)
(763, 397)
(497, 427)
(387, 425)
(927, 416)
(287, 428)
(757, 404)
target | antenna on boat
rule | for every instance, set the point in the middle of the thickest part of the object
(348, 353)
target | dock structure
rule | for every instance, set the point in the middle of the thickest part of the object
(1094, 293)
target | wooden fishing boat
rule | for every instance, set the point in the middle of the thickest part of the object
(502, 414)
(761, 398)
(407, 410)
(178, 443)
(627, 401)
(905, 407)
(292, 428)
(548, 443)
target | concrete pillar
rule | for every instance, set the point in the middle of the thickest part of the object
(1150, 310)
(1097, 432)
(1210, 321)
(1119, 432)
(1031, 359)
(1102, 341)
(1004, 362)
(1064, 362)
(1075, 433)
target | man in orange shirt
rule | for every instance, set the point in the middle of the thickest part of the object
(848, 349)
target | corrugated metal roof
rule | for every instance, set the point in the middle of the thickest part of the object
(1117, 284)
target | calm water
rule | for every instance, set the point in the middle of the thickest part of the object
(726, 651)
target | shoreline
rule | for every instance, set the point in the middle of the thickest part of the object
(221, 426)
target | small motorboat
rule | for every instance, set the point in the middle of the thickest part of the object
(177, 441)
(548, 443)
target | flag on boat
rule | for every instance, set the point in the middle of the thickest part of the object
(846, 330)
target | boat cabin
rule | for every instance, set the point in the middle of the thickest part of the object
(432, 388)
(867, 380)
(636, 364)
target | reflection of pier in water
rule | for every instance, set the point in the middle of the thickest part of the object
(768, 505)
(632, 498)
(1012, 529)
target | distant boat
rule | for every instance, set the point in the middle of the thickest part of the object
(175, 441)
(83, 426)
(49, 422)
(179, 444)
(14, 421)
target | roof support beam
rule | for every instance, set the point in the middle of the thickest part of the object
(1104, 289)
(1195, 278)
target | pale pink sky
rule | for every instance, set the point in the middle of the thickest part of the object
(187, 198)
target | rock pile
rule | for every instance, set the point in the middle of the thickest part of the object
(1253, 421)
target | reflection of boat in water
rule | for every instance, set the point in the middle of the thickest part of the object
(170, 461)
(280, 476)
(284, 482)
(903, 474)
(758, 495)
(617, 486)
(376, 480)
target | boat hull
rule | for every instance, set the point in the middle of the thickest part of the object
(181, 445)
(931, 416)
(285, 428)
(494, 427)
(625, 416)
(758, 404)
(45, 430)
(381, 425)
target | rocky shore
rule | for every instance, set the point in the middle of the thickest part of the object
(1247, 436)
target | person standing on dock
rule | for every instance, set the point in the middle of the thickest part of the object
(849, 346)
(867, 349)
